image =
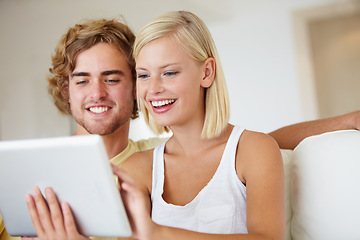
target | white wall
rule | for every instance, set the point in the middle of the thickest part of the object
(254, 39)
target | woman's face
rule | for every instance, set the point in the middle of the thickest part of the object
(169, 82)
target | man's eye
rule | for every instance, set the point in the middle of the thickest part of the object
(112, 81)
(82, 82)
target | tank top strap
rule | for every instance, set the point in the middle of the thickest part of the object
(158, 175)
(229, 154)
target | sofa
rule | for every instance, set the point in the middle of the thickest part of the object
(322, 187)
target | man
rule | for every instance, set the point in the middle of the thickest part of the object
(93, 80)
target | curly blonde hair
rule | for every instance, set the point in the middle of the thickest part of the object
(77, 39)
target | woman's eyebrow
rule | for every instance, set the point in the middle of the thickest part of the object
(161, 67)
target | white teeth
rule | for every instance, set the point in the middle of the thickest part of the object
(98, 109)
(162, 103)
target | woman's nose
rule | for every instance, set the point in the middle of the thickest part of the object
(156, 85)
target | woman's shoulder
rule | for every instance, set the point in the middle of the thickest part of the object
(256, 150)
(257, 140)
(139, 165)
(142, 158)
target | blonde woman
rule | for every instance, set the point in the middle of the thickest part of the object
(210, 180)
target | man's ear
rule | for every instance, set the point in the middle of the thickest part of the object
(209, 72)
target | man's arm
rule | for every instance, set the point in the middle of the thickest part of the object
(290, 136)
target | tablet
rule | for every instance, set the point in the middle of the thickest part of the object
(76, 168)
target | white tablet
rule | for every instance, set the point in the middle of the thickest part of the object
(78, 170)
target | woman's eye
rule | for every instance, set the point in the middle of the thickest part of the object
(142, 76)
(169, 74)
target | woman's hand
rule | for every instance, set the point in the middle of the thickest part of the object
(137, 203)
(49, 219)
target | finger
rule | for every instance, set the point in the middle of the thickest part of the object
(122, 175)
(69, 221)
(42, 210)
(127, 183)
(34, 215)
(55, 210)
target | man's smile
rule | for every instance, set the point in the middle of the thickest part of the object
(98, 109)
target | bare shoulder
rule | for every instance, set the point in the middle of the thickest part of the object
(257, 140)
(139, 166)
(257, 151)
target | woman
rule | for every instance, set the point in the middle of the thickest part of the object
(210, 180)
(210, 177)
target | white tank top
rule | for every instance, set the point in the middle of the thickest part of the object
(220, 207)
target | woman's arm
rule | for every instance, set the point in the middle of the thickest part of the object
(290, 136)
(259, 165)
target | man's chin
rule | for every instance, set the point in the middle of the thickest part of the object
(103, 131)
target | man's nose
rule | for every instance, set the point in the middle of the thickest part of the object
(98, 90)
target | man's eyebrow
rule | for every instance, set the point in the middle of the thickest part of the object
(111, 72)
(80, 74)
(104, 73)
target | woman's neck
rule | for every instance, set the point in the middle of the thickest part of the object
(188, 140)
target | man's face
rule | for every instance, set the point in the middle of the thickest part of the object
(101, 90)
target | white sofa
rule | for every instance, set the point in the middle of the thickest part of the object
(322, 187)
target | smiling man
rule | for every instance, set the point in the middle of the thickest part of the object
(101, 94)
(93, 80)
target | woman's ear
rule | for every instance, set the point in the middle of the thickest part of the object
(209, 72)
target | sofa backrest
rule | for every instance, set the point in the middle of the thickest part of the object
(325, 187)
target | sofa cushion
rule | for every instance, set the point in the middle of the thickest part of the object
(325, 191)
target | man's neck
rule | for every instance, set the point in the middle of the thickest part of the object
(114, 143)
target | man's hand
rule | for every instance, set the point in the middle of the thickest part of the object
(51, 221)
